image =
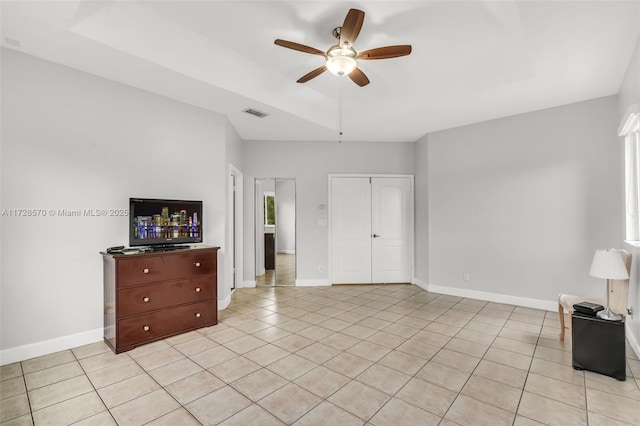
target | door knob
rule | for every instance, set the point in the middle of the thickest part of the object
(376, 236)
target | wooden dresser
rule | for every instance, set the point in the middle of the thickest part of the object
(152, 295)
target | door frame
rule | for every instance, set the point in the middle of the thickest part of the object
(257, 184)
(235, 240)
(411, 230)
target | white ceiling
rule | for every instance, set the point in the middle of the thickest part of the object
(472, 60)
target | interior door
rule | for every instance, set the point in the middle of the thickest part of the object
(371, 226)
(351, 230)
(390, 221)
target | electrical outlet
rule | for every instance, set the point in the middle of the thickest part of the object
(466, 276)
(321, 268)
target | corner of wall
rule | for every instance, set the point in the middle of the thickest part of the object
(224, 303)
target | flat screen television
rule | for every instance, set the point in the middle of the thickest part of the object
(164, 223)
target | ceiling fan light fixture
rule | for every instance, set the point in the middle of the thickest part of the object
(341, 60)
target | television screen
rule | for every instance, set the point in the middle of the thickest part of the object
(155, 222)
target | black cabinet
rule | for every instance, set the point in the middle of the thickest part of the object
(599, 345)
(269, 251)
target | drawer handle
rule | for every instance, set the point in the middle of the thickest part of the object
(197, 264)
(145, 299)
(197, 289)
(197, 314)
(145, 270)
(146, 328)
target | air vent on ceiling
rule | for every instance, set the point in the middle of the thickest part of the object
(255, 112)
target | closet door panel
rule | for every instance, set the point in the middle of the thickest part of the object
(351, 230)
(390, 218)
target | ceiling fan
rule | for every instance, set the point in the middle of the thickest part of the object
(341, 58)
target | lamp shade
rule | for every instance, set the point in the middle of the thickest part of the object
(341, 65)
(608, 264)
(341, 60)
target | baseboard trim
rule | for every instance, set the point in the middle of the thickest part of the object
(313, 283)
(46, 347)
(423, 285)
(546, 305)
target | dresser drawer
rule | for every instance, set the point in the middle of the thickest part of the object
(167, 266)
(150, 297)
(140, 329)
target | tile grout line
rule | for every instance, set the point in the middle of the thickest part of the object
(26, 390)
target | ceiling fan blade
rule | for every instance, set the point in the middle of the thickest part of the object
(299, 47)
(351, 27)
(359, 77)
(312, 74)
(385, 52)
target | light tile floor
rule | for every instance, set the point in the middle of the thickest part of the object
(341, 355)
(283, 274)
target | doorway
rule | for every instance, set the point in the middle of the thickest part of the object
(275, 231)
(371, 229)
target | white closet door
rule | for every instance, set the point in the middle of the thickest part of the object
(390, 225)
(351, 230)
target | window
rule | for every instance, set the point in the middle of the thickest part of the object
(631, 132)
(269, 208)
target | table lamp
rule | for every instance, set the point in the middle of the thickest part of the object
(608, 264)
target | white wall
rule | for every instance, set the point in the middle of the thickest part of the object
(71, 140)
(521, 203)
(233, 148)
(630, 89)
(310, 163)
(630, 97)
(285, 216)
